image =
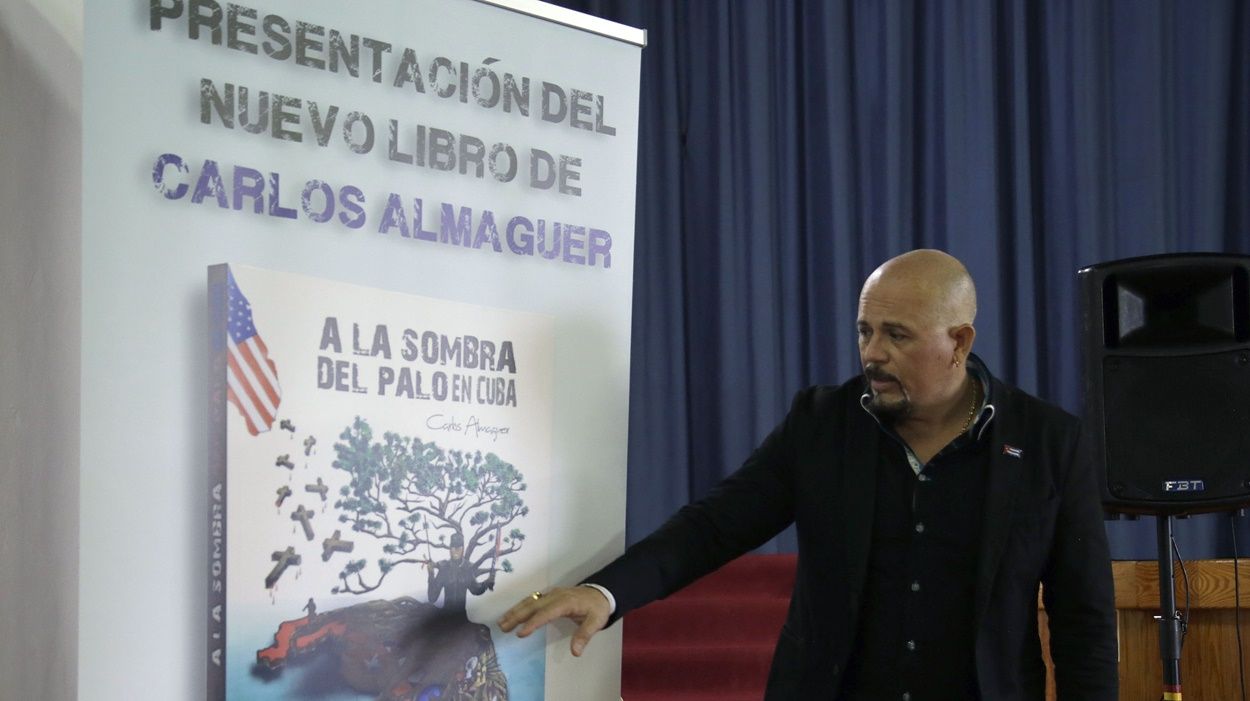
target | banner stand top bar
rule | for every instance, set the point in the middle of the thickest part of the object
(575, 19)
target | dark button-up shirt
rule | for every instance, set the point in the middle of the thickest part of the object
(916, 638)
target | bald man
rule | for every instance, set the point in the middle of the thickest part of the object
(930, 501)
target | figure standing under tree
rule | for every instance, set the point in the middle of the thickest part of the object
(455, 577)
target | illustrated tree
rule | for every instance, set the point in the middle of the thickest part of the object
(413, 496)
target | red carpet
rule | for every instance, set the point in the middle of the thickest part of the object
(713, 640)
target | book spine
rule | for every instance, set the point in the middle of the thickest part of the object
(218, 304)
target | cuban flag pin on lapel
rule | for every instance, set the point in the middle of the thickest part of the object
(1009, 449)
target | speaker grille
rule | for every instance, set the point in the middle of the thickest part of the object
(1180, 422)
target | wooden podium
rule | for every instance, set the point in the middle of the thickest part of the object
(1209, 658)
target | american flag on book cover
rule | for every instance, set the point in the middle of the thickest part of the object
(251, 377)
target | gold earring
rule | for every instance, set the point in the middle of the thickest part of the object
(955, 363)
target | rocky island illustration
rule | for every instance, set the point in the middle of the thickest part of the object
(400, 650)
(440, 511)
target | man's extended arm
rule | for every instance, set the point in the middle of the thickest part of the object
(742, 512)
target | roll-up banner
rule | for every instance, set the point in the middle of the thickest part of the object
(355, 345)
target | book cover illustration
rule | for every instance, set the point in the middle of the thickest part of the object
(378, 493)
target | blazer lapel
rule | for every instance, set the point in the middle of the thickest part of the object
(859, 492)
(1003, 485)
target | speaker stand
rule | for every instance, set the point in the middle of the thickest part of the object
(1170, 624)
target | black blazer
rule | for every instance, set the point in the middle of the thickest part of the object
(1043, 524)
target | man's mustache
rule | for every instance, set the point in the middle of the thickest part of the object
(875, 373)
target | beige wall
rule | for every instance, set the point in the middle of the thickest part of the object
(40, 262)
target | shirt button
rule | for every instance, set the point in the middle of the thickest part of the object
(920, 528)
(923, 477)
(911, 645)
(915, 586)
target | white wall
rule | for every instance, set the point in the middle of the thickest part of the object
(40, 263)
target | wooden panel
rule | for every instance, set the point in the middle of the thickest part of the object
(1209, 658)
(1211, 584)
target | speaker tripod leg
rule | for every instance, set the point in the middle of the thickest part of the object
(1169, 621)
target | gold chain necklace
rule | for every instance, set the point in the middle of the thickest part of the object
(972, 410)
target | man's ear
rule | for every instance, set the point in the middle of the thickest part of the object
(963, 335)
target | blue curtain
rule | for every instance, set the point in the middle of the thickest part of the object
(787, 148)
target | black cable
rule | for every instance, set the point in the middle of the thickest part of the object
(1185, 576)
(1241, 667)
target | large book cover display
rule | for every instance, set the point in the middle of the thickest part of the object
(377, 498)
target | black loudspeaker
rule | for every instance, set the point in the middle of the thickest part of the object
(1167, 381)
